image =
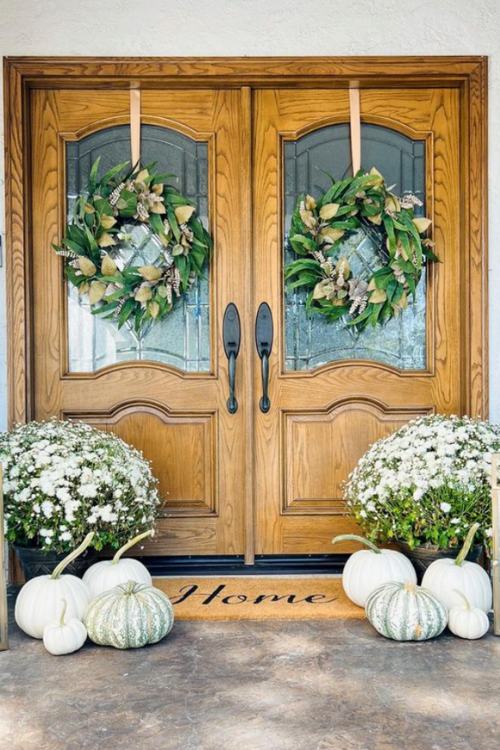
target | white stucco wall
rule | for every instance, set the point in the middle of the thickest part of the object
(267, 27)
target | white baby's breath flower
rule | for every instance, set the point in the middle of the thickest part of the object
(445, 507)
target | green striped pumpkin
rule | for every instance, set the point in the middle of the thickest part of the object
(405, 612)
(130, 615)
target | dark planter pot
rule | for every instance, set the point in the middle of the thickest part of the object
(37, 562)
(422, 557)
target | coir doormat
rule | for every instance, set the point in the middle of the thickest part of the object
(258, 598)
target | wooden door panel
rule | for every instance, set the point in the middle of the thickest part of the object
(178, 419)
(186, 440)
(318, 450)
(324, 417)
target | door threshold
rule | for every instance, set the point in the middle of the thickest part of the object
(234, 565)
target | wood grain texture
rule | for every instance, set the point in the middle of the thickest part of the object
(86, 72)
(318, 449)
(17, 258)
(475, 237)
(179, 420)
(247, 313)
(467, 73)
(319, 423)
(171, 442)
(47, 100)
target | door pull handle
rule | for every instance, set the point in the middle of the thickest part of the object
(231, 336)
(264, 344)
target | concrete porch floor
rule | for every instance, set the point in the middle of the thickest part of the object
(254, 686)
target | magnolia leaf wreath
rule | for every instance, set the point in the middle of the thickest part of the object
(100, 227)
(318, 228)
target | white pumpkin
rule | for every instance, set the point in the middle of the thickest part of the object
(447, 576)
(39, 600)
(129, 616)
(367, 569)
(105, 575)
(405, 612)
(64, 636)
(466, 621)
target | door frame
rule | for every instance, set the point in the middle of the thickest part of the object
(468, 74)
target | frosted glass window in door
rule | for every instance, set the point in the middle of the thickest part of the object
(182, 339)
(310, 341)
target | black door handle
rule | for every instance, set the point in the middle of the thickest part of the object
(231, 335)
(264, 344)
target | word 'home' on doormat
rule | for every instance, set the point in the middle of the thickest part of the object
(258, 598)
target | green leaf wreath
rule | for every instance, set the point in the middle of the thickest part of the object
(318, 229)
(98, 229)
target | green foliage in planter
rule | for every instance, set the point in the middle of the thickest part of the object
(63, 479)
(427, 483)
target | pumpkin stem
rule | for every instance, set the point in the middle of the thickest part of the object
(130, 587)
(466, 601)
(356, 538)
(63, 612)
(466, 545)
(130, 544)
(72, 556)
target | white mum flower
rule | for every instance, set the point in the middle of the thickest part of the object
(71, 469)
(88, 490)
(47, 508)
(70, 507)
(413, 465)
(63, 494)
(107, 513)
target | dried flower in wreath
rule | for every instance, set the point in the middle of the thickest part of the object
(320, 226)
(112, 203)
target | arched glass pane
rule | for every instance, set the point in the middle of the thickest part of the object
(182, 339)
(308, 162)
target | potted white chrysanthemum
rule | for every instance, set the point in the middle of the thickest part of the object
(425, 485)
(64, 479)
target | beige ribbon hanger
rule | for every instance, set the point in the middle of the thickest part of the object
(135, 126)
(355, 126)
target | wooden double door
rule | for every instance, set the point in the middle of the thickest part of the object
(252, 482)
